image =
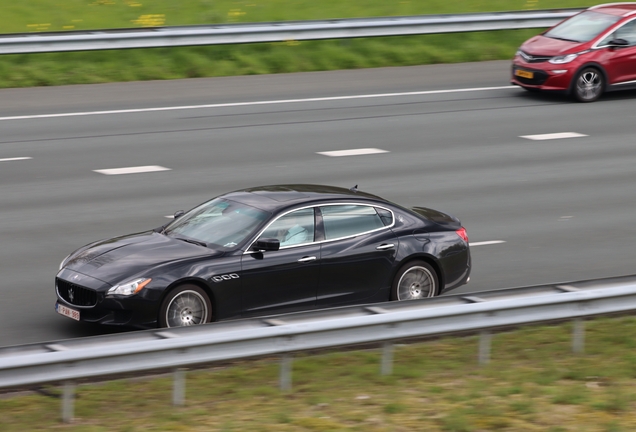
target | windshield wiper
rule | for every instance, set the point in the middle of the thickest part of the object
(564, 39)
(196, 242)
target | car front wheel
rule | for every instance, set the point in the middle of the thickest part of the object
(415, 280)
(589, 85)
(187, 305)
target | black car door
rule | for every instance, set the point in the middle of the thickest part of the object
(357, 254)
(285, 280)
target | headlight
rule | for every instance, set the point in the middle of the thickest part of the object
(129, 288)
(565, 59)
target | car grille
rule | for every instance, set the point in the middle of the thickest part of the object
(75, 294)
(539, 77)
(534, 58)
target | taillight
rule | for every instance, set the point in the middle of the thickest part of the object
(463, 234)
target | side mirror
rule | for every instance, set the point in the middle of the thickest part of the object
(618, 42)
(178, 214)
(266, 244)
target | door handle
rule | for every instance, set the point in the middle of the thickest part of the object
(307, 259)
(385, 246)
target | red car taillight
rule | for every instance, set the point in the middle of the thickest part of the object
(463, 234)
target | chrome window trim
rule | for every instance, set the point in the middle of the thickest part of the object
(364, 232)
(249, 248)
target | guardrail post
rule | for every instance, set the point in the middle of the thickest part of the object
(387, 358)
(178, 387)
(68, 399)
(484, 346)
(578, 336)
(285, 372)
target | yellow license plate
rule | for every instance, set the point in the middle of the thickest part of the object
(524, 74)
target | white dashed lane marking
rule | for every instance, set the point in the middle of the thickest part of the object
(353, 152)
(132, 170)
(553, 136)
(484, 243)
(15, 159)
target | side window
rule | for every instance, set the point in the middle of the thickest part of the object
(385, 215)
(297, 227)
(627, 32)
(348, 220)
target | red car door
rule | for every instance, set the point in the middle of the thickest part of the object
(621, 60)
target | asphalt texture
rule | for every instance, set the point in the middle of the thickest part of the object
(564, 208)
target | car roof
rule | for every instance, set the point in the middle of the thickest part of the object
(620, 9)
(275, 197)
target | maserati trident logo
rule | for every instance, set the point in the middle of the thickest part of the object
(71, 294)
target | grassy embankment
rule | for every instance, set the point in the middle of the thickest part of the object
(293, 56)
(533, 383)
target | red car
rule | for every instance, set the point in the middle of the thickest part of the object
(585, 55)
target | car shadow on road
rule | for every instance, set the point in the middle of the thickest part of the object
(558, 97)
(74, 330)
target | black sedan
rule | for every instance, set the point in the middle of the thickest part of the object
(262, 251)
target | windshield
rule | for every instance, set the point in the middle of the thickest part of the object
(219, 223)
(582, 27)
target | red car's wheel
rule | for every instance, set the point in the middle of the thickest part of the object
(588, 85)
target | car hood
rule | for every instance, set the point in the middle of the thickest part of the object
(545, 46)
(116, 259)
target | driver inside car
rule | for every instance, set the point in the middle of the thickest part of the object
(293, 228)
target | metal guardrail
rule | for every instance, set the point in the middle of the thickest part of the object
(174, 349)
(277, 31)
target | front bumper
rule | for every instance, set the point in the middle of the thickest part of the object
(87, 296)
(542, 76)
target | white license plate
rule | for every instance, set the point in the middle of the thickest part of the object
(67, 312)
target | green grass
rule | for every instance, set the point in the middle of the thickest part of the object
(211, 61)
(533, 383)
(53, 15)
(250, 59)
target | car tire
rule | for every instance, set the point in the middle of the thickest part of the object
(186, 305)
(415, 280)
(589, 85)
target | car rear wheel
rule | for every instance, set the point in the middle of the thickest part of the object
(186, 305)
(589, 85)
(415, 280)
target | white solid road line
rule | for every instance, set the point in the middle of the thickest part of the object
(132, 170)
(553, 136)
(484, 243)
(237, 104)
(353, 152)
(15, 159)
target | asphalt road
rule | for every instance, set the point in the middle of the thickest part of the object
(564, 209)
